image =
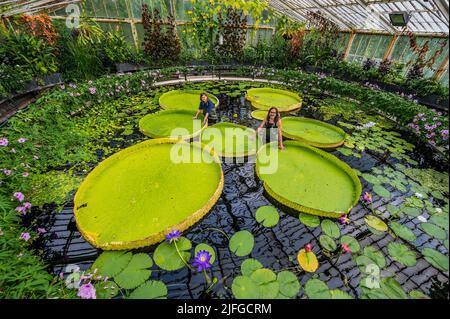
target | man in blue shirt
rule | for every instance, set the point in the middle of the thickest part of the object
(206, 107)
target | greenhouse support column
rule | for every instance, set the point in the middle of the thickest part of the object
(441, 70)
(132, 25)
(349, 45)
(388, 53)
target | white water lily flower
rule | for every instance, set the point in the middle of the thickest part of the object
(422, 219)
(419, 195)
(439, 210)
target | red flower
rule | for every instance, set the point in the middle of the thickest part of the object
(308, 248)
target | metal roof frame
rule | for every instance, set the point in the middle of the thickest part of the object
(427, 16)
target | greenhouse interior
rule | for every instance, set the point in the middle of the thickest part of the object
(222, 150)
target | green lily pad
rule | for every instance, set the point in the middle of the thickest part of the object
(330, 228)
(241, 243)
(267, 282)
(248, 266)
(339, 294)
(376, 223)
(245, 288)
(289, 284)
(150, 290)
(382, 191)
(259, 115)
(327, 243)
(317, 289)
(441, 220)
(111, 263)
(166, 255)
(402, 254)
(434, 231)
(308, 179)
(351, 242)
(313, 132)
(135, 273)
(171, 124)
(265, 98)
(416, 294)
(436, 258)
(184, 100)
(106, 289)
(137, 196)
(403, 232)
(230, 140)
(268, 216)
(309, 220)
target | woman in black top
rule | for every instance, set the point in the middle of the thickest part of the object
(272, 126)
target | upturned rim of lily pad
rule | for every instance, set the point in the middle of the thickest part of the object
(161, 113)
(262, 105)
(318, 123)
(165, 106)
(160, 236)
(308, 210)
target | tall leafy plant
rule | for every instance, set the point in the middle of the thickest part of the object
(161, 41)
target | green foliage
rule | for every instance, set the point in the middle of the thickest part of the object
(330, 228)
(309, 220)
(173, 256)
(268, 216)
(150, 290)
(402, 254)
(241, 243)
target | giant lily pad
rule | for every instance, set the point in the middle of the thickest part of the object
(307, 179)
(137, 196)
(172, 124)
(312, 132)
(230, 140)
(184, 100)
(259, 115)
(265, 98)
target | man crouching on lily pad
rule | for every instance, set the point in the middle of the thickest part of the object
(207, 108)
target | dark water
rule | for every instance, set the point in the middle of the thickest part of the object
(275, 248)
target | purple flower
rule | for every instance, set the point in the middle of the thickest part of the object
(21, 209)
(202, 260)
(92, 90)
(27, 205)
(7, 172)
(19, 196)
(22, 140)
(25, 236)
(4, 141)
(25, 174)
(87, 291)
(173, 236)
(41, 231)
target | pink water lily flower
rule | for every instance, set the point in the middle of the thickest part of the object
(344, 220)
(25, 236)
(345, 248)
(308, 248)
(19, 196)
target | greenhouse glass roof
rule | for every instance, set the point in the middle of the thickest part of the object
(372, 15)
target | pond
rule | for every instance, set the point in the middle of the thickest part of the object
(396, 173)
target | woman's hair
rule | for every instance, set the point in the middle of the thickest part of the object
(203, 94)
(277, 117)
